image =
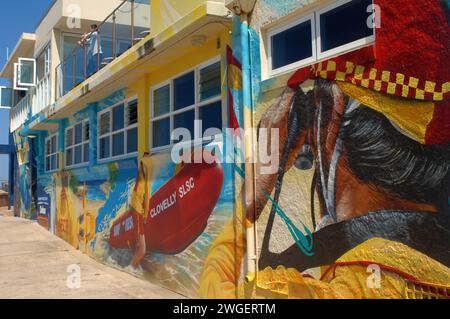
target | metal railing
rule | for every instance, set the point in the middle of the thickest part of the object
(128, 24)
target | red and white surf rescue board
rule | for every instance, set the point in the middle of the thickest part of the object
(179, 211)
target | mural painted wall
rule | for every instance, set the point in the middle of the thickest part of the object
(360, 207)
(358, 210)
(22, 198)
(151, 217)
(360, 134)
(100, 210)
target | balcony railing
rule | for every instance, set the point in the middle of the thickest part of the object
(123, 28)
(20, 112)
(128, 24)
(41, 95)
(36, 99)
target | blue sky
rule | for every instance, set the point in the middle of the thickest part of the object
(16, 17)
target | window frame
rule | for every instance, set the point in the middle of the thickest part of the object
(16, 86)
(318, 56)
(18, 74)
(126, 102)
(74, 145)
(49, 155)
(279, 29)
(345, 47)
(196, 106)
(45, 53)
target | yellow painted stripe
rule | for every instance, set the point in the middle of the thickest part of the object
(411, 117)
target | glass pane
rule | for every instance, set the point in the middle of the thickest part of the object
(161, 98)
(26, 72)
(161, 132)
(86, 153)
(47, 147)
(78, 133)
(78, 154)
(106, 41)
(105, 123)
(345, 24)
(53, 145)
(73, 67)
(211, 116)
(123, 28)
(184, 91)
(292, 45)
(69, 157)
(118, 117)
(132, 140)
(210, 81)
(86, 132)
(118, 144)
(47, 163)
(104, 147)
(185, 120)
(6, 97)
(141, 19)
(54, 161)
(69, 137)
(132, 113)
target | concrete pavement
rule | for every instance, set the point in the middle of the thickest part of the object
(34, 264)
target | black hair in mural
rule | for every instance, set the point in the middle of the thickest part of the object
(381, 155)
(378, 154)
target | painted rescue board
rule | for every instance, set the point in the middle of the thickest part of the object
(179, 211)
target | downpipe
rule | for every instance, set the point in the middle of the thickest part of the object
(249, 144)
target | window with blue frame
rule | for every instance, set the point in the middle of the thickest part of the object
(177, 103)
(117, 130)
(77, 144)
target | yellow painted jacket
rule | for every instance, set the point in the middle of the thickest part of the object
(66, 221)
(405, 272)
(143, 187)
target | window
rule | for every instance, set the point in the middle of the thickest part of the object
(77, 144)
(293, 44)
(5, 97)
(43, 63)
(51, 153)
(24, 74)
(117, 127)
(177, 103)
(332, 30)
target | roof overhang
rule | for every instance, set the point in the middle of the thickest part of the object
(24, 49)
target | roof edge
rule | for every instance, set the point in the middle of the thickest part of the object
(23, 37)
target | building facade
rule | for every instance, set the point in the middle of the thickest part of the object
(342, 192)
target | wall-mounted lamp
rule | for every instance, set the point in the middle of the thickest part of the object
(240, 7)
